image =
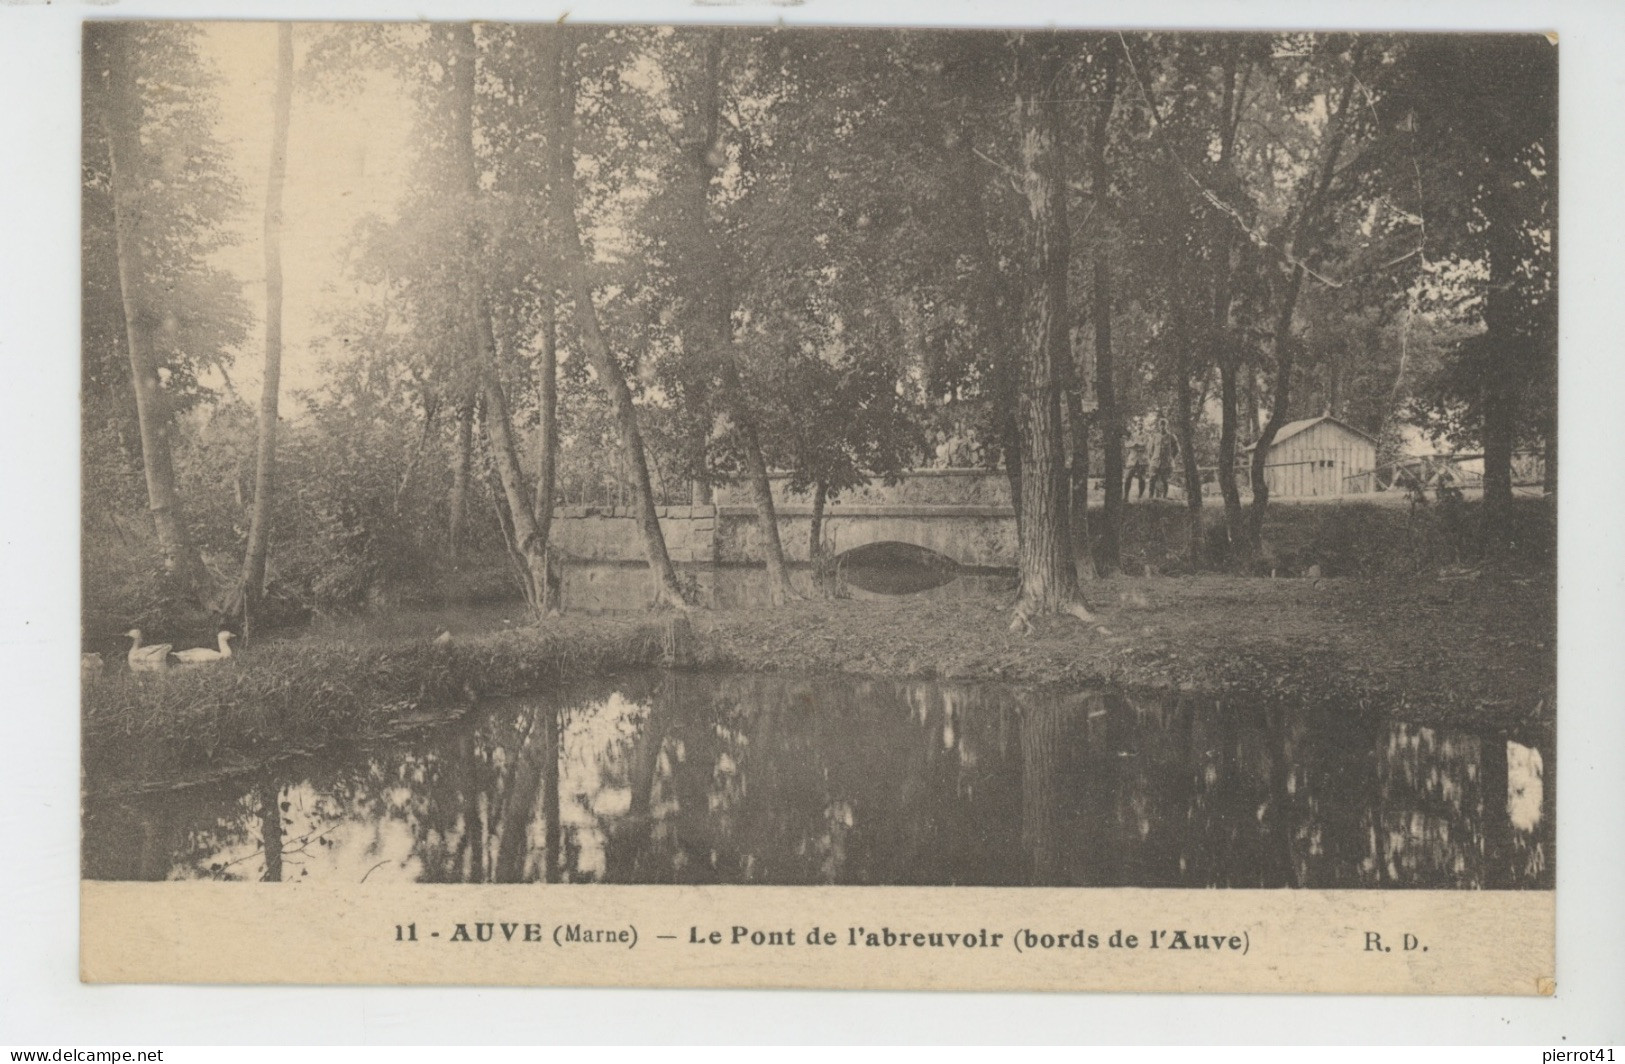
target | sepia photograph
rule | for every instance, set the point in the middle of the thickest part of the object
(752, 456)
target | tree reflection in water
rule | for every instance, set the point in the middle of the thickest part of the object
(681, 777)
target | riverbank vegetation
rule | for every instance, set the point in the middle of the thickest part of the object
(559, 264)
(587, 264)
(1419, 635)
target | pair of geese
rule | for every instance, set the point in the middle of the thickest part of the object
(155, 658)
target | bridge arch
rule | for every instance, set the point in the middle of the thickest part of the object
(889, 567)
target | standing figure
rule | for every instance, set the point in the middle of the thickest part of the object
(1136, 467)
(1163, 449)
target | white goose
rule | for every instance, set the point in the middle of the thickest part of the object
(154, 658)
(205, 656)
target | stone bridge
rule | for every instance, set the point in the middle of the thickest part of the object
(964, 514)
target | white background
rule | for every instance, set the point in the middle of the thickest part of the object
(41, 1000)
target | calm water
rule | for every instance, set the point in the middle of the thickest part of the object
(695, 778)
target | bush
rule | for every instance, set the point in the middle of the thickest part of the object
(1344, 539)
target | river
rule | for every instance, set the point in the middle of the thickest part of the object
(679, 777)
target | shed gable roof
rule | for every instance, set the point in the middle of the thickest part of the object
(1293, 428)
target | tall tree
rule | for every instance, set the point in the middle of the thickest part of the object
(573, 263)
(1108, 416)
(1475, 120)
(1048, 576)
(252, 586)
(518, 505)
(547, 447)
(713, 327)
(111, 53)
(1229, 255)
(1303, 233)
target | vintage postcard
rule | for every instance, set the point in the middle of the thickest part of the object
(819, 507)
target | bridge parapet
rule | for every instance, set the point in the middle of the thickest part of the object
(927, 487)
(962, 514)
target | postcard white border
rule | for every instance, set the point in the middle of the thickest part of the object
(43, 1000)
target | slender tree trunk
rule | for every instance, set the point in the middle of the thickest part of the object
(761, 488)
(1108, 543)
(259, 529)
(667, 592)
(707, 160)
(1234, 519)
(1077, 426)
(122, 123)
(1048, 580)
(1279, 404)
(815, 533)
(526, 539)
(461, 460)
(1224, 242)
(547, 450)
(1299, 240)
(525, 542)
(1185, 430)
(1499, 373)
(1249, 392)
(431, 406)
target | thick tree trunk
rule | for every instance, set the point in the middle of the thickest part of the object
(1108, 543)
(1048, 579)
(568, 234)
(122, 123)
(259, 529)
(525, 543)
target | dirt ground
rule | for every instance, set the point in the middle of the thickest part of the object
(1455, 647)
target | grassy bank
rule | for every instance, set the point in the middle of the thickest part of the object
(300, 694)
(1408, 634)
(1456, 648)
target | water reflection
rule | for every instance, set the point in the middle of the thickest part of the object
(692, 778)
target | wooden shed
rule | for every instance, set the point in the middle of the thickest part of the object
(1318, 456)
